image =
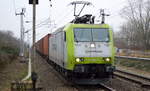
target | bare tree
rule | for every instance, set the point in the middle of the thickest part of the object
(137, 28)
(8, 41)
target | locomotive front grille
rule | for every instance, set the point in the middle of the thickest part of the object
(93, 68)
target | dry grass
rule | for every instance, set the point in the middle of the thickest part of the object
(137, 64)
(13, 70)
(134, 54)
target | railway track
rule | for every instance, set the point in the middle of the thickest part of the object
(132, 58)
(107, 88)
(75, 87)
(144, 82)
(98, 87)
(67, 83)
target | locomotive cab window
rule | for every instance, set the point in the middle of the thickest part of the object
(100, 35)
(82, 35)
(88, 35)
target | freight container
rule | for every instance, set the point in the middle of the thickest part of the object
(39, 46)
(45, 49)
(42, 46)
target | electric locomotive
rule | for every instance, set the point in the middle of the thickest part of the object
(83, 51)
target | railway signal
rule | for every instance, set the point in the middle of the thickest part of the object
(34, 74)
(31, 1)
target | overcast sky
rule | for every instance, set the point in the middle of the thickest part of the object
(60, 13)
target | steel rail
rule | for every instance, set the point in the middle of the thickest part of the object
(107, 88)
(98, 87)
(133, 58)
(145, 80)
(79, 87)
(133, 74)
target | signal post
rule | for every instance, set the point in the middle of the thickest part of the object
(34, 74)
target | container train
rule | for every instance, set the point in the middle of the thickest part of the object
(81, 50)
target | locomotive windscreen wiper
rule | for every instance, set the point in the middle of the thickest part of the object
(75, 38)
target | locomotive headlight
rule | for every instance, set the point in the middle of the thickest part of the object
(107, 59)
(92, 45)
(77, 60)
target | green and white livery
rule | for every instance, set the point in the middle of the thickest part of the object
(83, 48)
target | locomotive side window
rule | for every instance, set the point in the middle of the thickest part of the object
(64, 36)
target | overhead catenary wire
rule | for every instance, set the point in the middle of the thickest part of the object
(39, 24)
(61, 19)
(14, 6)
(64, 17)
(44, 22)
(114, 13)
(116, 7)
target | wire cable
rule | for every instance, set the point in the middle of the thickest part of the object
(64, 16)
(14, 6)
